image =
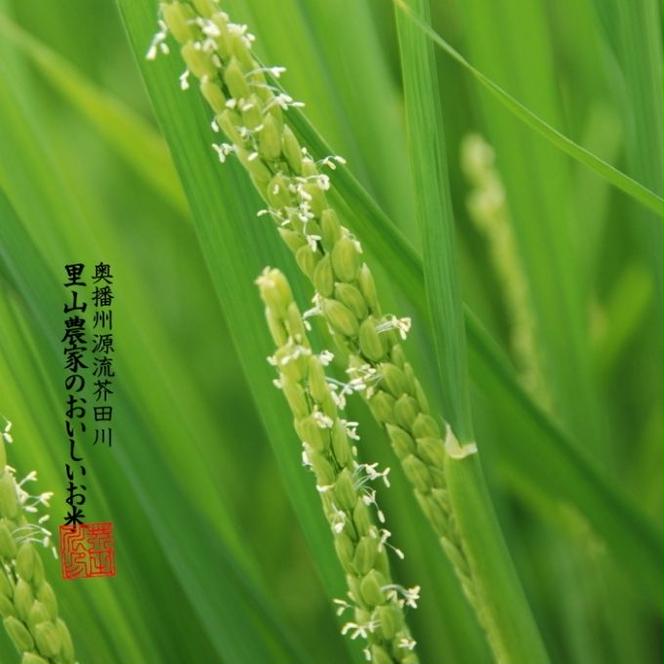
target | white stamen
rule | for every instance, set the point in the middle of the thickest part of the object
(322, 420)
(359, 629)
(351, 429)
(403, 325)
(408, 644)
(6, 436)
(410, 595)
(326, 357)
(157, 44)
(342, 606)
(223, 150)
(338, 519)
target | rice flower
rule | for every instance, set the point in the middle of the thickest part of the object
(251, 111)
(28, 605)
(344, 485)
(488, 209)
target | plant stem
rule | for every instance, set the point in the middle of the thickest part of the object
(499, 599)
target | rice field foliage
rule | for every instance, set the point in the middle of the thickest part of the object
(502, 173)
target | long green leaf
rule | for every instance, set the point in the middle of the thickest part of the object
(129, 134)
(499, 599)
(618, 179)
(635, 38)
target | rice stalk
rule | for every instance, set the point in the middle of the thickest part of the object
(343, 483)
(489, 211)
(28, 605)
(250, 110)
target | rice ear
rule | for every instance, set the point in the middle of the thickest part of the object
(342, 483)
(27, 600)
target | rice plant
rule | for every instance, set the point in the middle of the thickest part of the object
(28, 604)
(480, 316)
(344, 483)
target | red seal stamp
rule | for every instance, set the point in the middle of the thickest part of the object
(87, 550)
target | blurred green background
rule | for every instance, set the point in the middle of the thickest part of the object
(222, 554)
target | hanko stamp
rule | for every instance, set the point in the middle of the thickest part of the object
(87, 550)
